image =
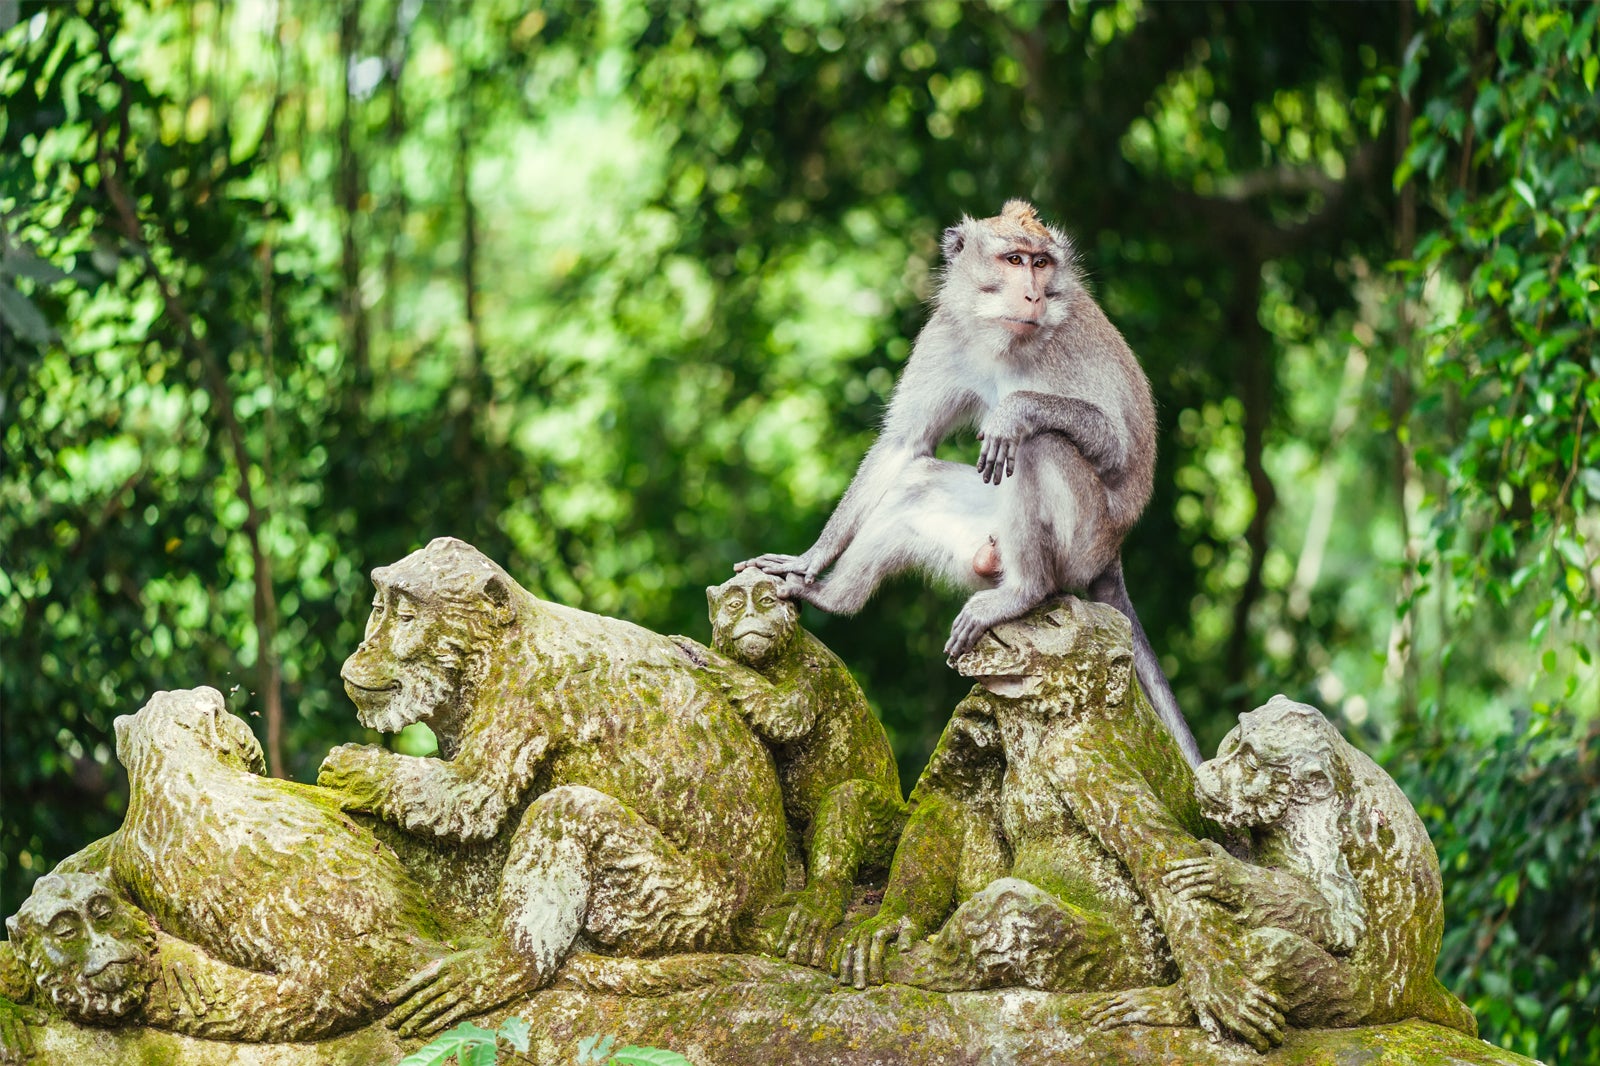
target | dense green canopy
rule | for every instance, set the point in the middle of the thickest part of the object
(616, 292)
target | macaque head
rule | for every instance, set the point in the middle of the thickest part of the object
(1281, 755)
(750, 620)
(1066, 654)
(193, 720)
(1010, 272)
(435, 614)
(88, 951)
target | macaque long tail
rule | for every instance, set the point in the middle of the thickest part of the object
(1109, 588)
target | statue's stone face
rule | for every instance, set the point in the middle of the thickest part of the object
(1067, 653)
(750, 621)
(435, 613)
(197, 716)
(88, 951)
(1280, 754)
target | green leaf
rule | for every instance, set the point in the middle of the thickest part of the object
(1591, 67)
(478, 1055)
(514, 1031)
(1523, 190)
(466, 1043)
(593, 1049)
(634, 1055)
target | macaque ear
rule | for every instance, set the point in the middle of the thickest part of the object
(498, 593)
(1315, 779)
(955, 239)
(711, 597)
(13, 930)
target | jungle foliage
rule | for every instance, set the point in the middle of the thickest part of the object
(616, 292)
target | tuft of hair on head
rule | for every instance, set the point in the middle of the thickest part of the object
(1025, 215)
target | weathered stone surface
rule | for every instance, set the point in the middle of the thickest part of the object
(804, 1022)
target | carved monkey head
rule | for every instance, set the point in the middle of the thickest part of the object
(750, 620)
(1280, 756)
(88, 951)
(194, 720)
(1010, 273)
(435, 614)
(1063, 655)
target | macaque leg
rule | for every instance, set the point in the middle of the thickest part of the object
(1013, 933)
(929, 520)
(1052, 514)
(1314, 988)
(856, 824)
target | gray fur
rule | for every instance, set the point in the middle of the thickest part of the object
(1022, 352)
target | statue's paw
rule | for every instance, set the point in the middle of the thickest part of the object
(1249, 1013)
(459, 986)
(16, 1043)
(805, 936)
(1142, 1006)
(860, 957)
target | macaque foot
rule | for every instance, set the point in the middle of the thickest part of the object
(805, 935)
(978, 614)
(459, 986)
(861, 956)
(1166, 1006)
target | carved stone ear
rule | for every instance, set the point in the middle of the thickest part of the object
(711, 596)
(955, 239)
(1119, 676)
(1315, 779)
(498, 593)
(13, 929)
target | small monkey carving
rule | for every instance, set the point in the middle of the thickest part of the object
(1017, 347)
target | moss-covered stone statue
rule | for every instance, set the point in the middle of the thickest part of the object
(841, 789)
(656, 821)
(1343, 900)
(602, 835)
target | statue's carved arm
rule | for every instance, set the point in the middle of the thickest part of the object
(465, 798)
(1333, 918)
(1115, 803)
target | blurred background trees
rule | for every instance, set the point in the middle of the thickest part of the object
(616, 291)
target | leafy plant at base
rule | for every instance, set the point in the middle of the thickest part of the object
(470, 1045)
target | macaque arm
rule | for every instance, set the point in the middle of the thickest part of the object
(924, 874)
(929, 401)
(780, 713)
(1089, 428)
(1284, 901)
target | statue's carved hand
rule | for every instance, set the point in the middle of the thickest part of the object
(354, 771)
(459, 986)
(185, 985)
(1142, 1006)
(859, 957)
(1002, 433)
(16, 1045)
(1215, 875)
(1230, 1001)
(805, 935)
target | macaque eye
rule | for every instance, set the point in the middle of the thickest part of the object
(1014, 259)
(769, 601)
(64, 928)
(406, 614)
(99, 908)
(1042, 262)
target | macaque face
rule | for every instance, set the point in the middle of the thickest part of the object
(1008, 271)
(1033, 657)
(1243, 787)
(750, 621)
(88, 951)
(407, 668)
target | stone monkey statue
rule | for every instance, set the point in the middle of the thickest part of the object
(841, 790)
(1017, 347)
(1345, 904)
(644, 815)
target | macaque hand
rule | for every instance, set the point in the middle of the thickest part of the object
(1216, 875)
(859, 958)
(186, 985)
(965, 632)
(355, 772)
(1002, 434)
(807, 566)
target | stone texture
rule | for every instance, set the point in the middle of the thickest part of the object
(803, 1022)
